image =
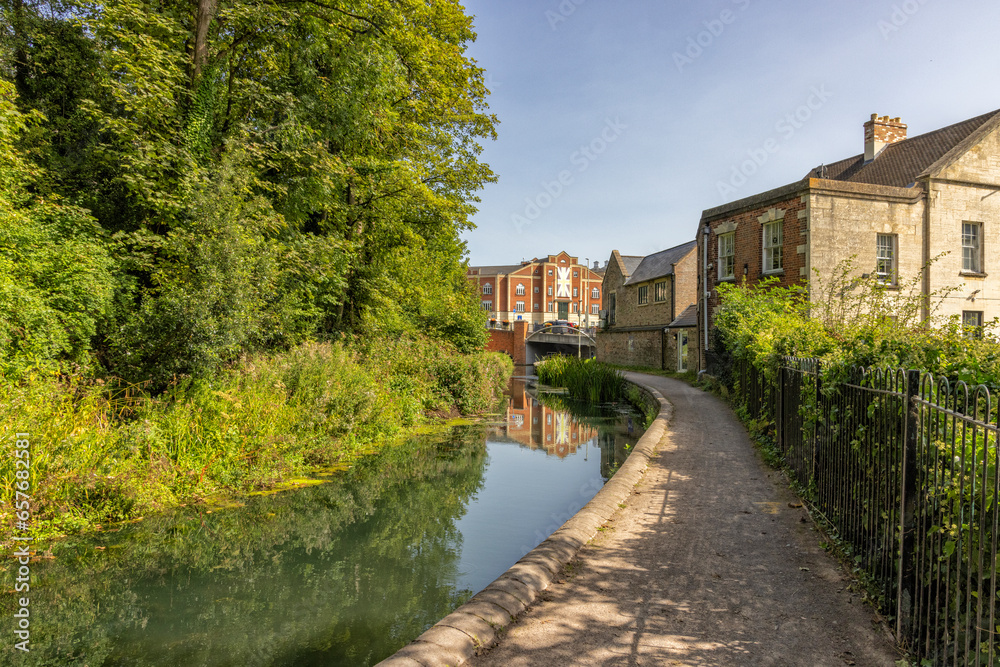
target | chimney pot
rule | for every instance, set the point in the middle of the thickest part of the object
(881, 131)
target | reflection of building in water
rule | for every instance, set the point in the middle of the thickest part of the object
(538, 427)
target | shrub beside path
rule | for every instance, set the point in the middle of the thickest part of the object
(712, 561)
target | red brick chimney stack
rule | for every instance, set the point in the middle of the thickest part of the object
(881, 131)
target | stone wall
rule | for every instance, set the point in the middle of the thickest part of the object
(612, 284)
(631, 348)
(968, 190)
(670, 357)
(843, 221)
(686, 282)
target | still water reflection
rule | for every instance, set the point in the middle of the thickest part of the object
(343, 573)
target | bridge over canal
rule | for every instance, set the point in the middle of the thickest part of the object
(526, 342)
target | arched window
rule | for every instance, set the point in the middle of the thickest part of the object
(520, 290)
(488, 288)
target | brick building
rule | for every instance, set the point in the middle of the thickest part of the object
(645, 300)
(892, 208)
(556, 287)
(536, 426)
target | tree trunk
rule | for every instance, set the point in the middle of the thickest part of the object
(20, 54)
(203, 20)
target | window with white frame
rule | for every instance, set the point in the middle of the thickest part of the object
(643, 293)
(660, 292)
(520, 290)
(488, 288)
(538, 306)
(972, 247)
(487, 305)
(595, 293)
(773, 240)
(550, 290)
(576, 292)
(520, 306)
(595, 309)
(727, 256)
(885, 259)
(972, 323)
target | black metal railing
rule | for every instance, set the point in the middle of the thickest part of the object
(904, 467)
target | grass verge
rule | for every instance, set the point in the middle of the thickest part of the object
(103, 452)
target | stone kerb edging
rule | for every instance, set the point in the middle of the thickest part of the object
(475, 625)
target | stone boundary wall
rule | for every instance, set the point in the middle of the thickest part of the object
(477, 624)
(631, 348)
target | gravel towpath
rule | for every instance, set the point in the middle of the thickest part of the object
(712, 561)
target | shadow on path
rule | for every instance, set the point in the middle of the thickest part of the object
(712, 562)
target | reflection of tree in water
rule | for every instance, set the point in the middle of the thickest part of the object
(339, 574)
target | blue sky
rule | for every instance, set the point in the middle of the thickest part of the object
(621, 120)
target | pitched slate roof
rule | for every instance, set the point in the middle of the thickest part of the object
(659, 264)
(689, 318)
(631, 263)
(901, 163)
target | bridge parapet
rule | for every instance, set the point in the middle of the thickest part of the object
(562, 335)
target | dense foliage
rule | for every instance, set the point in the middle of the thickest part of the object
(230, 241)
(106, 454)
(183, 182)
(853, 322)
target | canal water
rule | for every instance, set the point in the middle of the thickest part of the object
(341, 573)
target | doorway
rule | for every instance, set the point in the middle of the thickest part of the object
(682, 351)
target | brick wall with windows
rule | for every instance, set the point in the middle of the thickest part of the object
(775, 224)
(534, 289)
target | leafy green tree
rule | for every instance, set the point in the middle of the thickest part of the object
(56, 275)
(323, 150)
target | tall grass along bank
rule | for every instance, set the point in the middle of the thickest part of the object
(104, 452)
(595, 382)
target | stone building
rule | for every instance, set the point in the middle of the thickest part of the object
(645, 299)
(556, 287)
(892, 208)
